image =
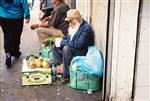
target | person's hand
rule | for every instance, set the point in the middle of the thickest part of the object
(58, 41)
(34, 26)
(27, 20)
(60, 35)
(46, 19)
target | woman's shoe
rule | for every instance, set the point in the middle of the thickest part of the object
(8, 60)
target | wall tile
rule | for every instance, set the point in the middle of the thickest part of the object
(143, 78)
(142, 94)
(146, 8)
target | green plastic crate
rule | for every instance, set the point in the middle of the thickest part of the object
(82, 81)
(47, 53)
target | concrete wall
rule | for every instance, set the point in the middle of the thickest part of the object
(95, 12)
(123, 51)
(99, 22)
(84, 7)
(71, 3)
(142, 86)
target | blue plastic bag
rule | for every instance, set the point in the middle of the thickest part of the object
(92, 63)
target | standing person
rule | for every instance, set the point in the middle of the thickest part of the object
(54, 25)
(46, 7)
(76, 43)
(12, 14)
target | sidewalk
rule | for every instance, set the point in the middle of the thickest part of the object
(10, 82)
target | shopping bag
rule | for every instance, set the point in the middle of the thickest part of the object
(92, 63)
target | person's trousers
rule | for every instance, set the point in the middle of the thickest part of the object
(12, 29)
(65, 55)
(44, 33)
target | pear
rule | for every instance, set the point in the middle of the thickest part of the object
(39, 63)
(41, 59)
(32, 64)
(45, 64)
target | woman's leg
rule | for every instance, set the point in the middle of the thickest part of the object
(12, 31)
(17, 31)
(8, 37)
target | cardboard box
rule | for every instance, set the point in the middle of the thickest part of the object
(35, 76)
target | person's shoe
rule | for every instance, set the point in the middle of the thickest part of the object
(8, 60)
(17, 55)
(65, 80)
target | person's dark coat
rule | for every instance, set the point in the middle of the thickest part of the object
(83, 38)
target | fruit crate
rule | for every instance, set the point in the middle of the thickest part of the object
(36, 76)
